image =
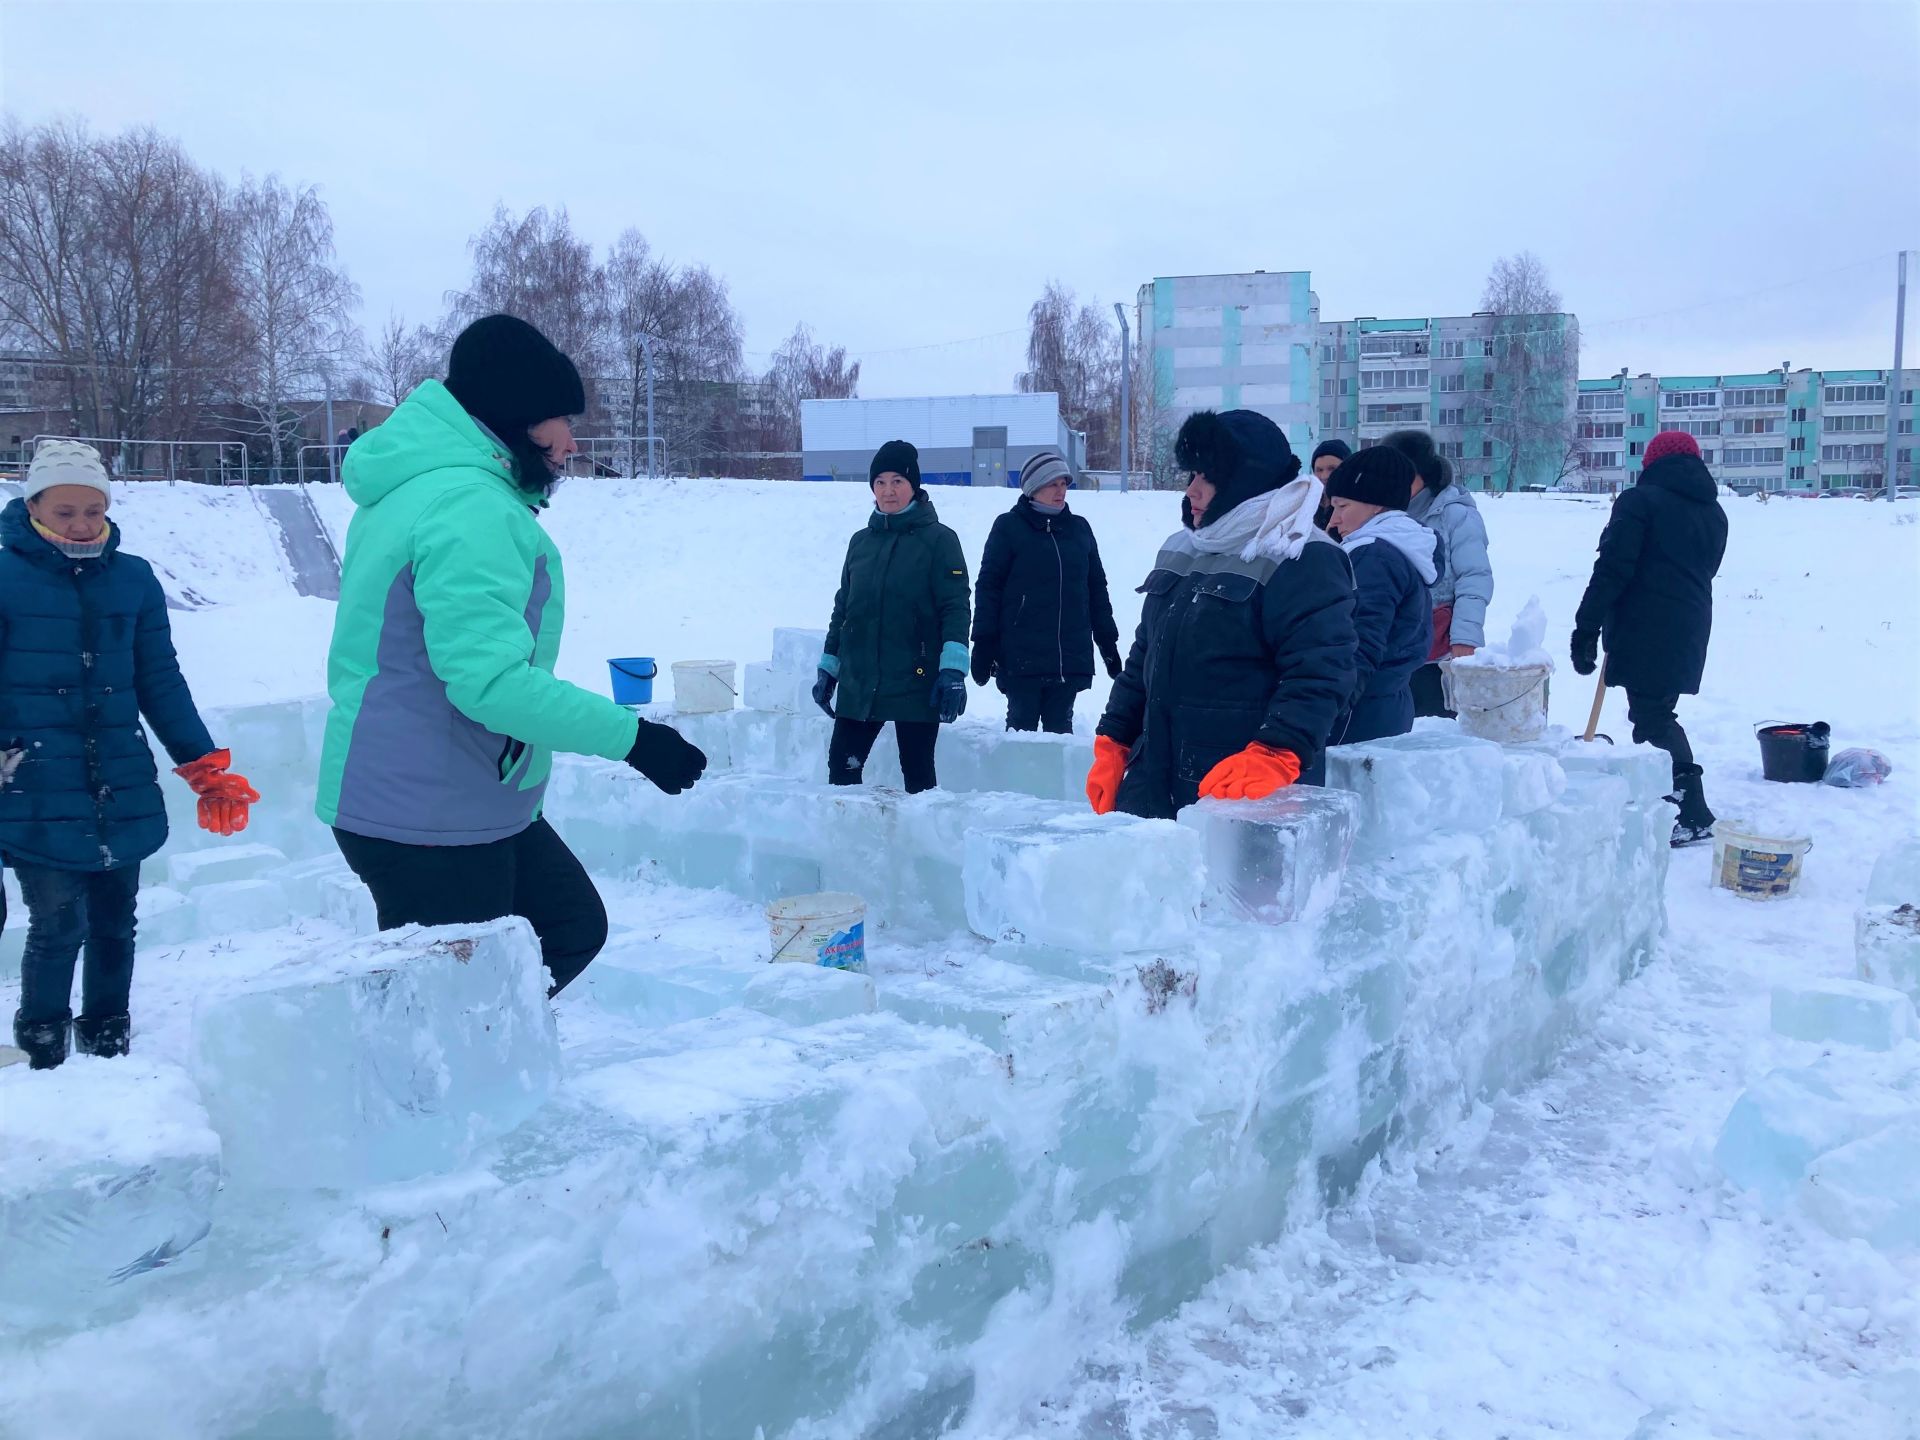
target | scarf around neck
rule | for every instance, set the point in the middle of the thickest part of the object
(77, 549)
(1405, 534)
(1275, 526)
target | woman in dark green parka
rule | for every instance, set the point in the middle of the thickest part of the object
(897, 648)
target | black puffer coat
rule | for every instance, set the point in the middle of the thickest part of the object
(900, 616)
(1041, 605)
(1651, 595)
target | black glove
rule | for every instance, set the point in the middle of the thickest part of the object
(950, 695)
(823, 685)
(1586, 651)
(1110, 657)
(666, 757)
(983, 664)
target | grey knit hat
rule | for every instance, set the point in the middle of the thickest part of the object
(65, 462)
(1045, 467)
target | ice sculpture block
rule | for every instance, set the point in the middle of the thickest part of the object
(1096, 883)
(1278, 859)
(107, 1172)
(235, 907)
(380, 1060)
(1895, 877)
(220, 864)
(797, 652)
(1886, 946)
(1869, 1189)
(1843, 1012)
(1790, 1117)
(1412, 786)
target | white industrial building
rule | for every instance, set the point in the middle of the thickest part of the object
(962, 439)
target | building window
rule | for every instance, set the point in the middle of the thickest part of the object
(1758, 425)
(1486, 349)
(1633, 447)
(1906, 397)
(1798, 442)
(1706, 456)
(1755, 455)
(1451, 449)
(1797, 472)
(1450, 349)
(1326, 387)
(1800, 415)
(1392, 345)
(1759, 395)
(1326, 419)
(1602, 400)
(1853, 452)
(1396, 414)
(1486, 381)
(1640, 419)
(1451, 417)
(1837, 423)
(1906, 428)
(1393, 379)
(1602, 459)
(1452, 384)
(1486, 449)
(1855, 394)
(1345, 381)
(1691, 427)
(1602, 430)
(1326, 353)
(1486, 415)
(1903, 457)
(1689, 399)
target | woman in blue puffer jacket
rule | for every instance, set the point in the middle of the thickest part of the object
(85, 652)
(1465, 587)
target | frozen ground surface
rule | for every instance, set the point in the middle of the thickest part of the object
(1568, 1262)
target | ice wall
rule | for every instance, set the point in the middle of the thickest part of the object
(1095, 1059)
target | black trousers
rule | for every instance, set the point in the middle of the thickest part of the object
(1040, 705)
(853, 741)
(1429, 698)
(68, 912)
(1656, 721)
(532, 875)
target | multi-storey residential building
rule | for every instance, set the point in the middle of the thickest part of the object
(1777, 430)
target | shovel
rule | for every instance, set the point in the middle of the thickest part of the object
(1599, 699)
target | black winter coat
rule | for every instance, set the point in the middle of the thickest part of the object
(85, 651)
(1651, 595)
(902, 602)
(1041, 605)
(1393, 627)
(1229, 652)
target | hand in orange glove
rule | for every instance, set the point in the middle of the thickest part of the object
(1251, 774)
(224, 796)
(1103, 780)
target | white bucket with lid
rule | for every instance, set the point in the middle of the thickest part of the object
(1757, 865)
(701, 687)
(828, 929)
(1507, 703)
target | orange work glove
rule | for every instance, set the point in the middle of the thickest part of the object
(1251, 774)
(1103, 780)
(224, 796)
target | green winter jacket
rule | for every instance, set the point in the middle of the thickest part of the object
(900, 616)
(446, 712)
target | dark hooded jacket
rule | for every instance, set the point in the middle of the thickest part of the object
(1041, 604)
(85, 652)
(1230, 650)
(899, 617)
(1651, 595)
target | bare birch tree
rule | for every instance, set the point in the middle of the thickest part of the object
(1536, 374)
(1074, 352)
(536, 268)
(398, 358)
(803, 369)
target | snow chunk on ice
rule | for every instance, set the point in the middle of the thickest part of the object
(382, 1060)
(1886, 947)
(1791, 1117)
(1273, 860)
(1099, 884)
(1845, 1012)
(1870, 1189)
(1526, 644)
(108, 1170)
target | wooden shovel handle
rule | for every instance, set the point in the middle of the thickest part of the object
(1599, 699)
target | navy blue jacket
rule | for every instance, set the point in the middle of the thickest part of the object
(1041, 603)
(85, 651)
(1393, 630)
(1228, 652)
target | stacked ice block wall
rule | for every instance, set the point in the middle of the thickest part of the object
(1094, 1060)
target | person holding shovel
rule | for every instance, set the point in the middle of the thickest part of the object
(1651, 600)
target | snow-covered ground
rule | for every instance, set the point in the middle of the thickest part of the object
(1569, 1261)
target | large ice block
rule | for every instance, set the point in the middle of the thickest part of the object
(348, 903)
(380, 1060)
(1790, 1117)
(1869, 1189)
(767, 687)
(1273, 860)
(1886, 946)
(1647, 771)
(164, 916)
(653, 984)
(1096, 883)
(797, 652)
(107, 1172)
(809, 994)
(1843, 1012)
(1411, 786)
(1534, 780)
(1895, 877)
(238, 907)
(187, 870)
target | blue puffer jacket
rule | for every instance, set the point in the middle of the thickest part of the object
(1466, 571)
(85, 651)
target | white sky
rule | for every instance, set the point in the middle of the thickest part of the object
(1714, 186)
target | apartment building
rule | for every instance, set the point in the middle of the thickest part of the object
(1776, 430)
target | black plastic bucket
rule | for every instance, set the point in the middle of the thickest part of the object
(1795, 754)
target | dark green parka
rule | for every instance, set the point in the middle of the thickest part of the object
(900, 616)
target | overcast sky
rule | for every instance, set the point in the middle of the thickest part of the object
(1713, 186)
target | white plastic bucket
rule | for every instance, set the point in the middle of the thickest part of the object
(829, 930)
(1507, 703)
(700, 687)
(1760, 867)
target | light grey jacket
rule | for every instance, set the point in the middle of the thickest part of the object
(1466, 573)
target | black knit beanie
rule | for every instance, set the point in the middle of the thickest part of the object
(510, 377)
(1339, 449)
(1378, 475)
(1428, 463)
(899, 457)
(1241, 452)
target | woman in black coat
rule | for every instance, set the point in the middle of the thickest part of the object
(1651, 599)
(1244, 659)
(1041, 607)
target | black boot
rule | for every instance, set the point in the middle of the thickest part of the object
(44, 1042)
(105, 1037)
(1695, 825)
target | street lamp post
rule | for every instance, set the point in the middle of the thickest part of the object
(1126, 393)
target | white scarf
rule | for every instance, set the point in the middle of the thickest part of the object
(1404, 533)
(1275, 526)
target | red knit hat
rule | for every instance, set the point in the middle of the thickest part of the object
(1671, 442)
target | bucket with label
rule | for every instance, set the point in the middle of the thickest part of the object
(1752, 862)
(702, 687)
(1795, 754)
(1507, 703)
(633, 677)
(828, 930)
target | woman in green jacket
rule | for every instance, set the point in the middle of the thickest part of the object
(446, 711)
(897, 648)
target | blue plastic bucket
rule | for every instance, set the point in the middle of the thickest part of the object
(633, 679)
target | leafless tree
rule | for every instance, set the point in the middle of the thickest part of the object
(1536, 374)
(397, 359)
(295, 305)
(1074, 351)
(535, 267)
(802, 370)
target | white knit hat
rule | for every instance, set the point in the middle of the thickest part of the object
(65, 462)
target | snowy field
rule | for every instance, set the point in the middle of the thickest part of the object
(1566, 1262)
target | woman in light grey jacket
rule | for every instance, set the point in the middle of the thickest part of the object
(1465, 586)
